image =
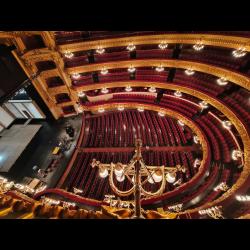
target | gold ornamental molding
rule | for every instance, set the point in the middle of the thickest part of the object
(234, 77)
(232, 42)
(242, 130)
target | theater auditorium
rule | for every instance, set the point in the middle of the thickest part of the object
(124, 125)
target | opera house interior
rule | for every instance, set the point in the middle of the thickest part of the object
(124, 125)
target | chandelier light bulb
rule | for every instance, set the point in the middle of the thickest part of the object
(104, 90)
(80, 109)
(128, 89)
(189, 72)
(131, 47)
(120, 178)
(157, 176)
(76, 75)
(119, 171)
(222, 81)
(151, 180)
(163, 45)
(170, 177)
(152, 89)
(178, 93)
(103, 173)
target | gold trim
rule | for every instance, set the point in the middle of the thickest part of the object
(233, 42)
(234, 77)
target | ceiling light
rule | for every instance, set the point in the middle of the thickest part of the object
(196, 139)
(100, 50)
(203, 105)
(131, 47)
(131, 69)
(68, 54)
(141, 109)
(159, 68)
(161, 113)
(189, 72)
(239, 52)
(152, 89)
(226, 124)
(76, 75)
(101, 110)
(180, 123)
(222, 81)
(128, 89)
(81, 94)
(104, 90)
(163, 45)
(120, 108)
(177, 93)
(198, 46)
(236, 154)
(104, 71)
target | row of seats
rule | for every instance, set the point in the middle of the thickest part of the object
(119, 129)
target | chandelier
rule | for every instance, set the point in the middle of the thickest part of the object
(120, 108)
(178, 93)
(128, 89)
(203, 104)
(180, 123)
(131, 69)
(159, 68)
(104, 71)
(104, 90)
(222, 186)
(100, 50)
(81, 94)
(152, 89)
(163, 45)
(189, 72)
(222, 81)
(140, 109)
(138, 174)
(198, 46)
(131, 47)
(239, 52)
(76, 75)
(68, 55)
(101, 110)
(226, 124)
(236, 154)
